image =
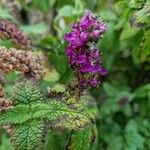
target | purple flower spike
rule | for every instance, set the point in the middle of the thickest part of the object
(83, 58)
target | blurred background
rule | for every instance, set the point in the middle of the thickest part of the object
(123, 100)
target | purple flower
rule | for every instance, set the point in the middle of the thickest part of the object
(83, 58)
(86, 21)
(99, 28)
(94, 54)
(69, 50)
(93, 82)
(102, 71)
(84, 37)
(86, 68)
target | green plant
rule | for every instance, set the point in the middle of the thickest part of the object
(112, 116)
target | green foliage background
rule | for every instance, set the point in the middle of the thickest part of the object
(123, 101)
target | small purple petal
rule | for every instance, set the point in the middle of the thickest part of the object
(95, 54)
(102, 71)
(67, 36)
(95, 34)
(93, 82)
(82, 59)
(86, 20)
(84, 37)
(87, 68)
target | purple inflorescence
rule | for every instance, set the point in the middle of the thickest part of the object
(83, 56)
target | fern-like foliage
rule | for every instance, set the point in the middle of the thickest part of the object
(30, 112)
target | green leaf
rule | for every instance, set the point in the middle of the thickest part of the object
(43, 5)
(79, 8)
(141, 18)
(74, 116)
(110, 89)
(4, 141)
(136, 4)
(63, 12)
(128, 32)
(26, 92)
(22, 113)
(35, 28)
(82, 140)
(30, 110)
(133, 140)
(144, 49)
(28, 136)
(90, 103)
(55, 141)
(57, 60)
(142, 91)
(5, 14)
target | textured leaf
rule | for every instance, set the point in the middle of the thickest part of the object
(26, 92)
(22, 113)
(90, 103)
(30, 111)
(81, 140)
(28, 136)
(73, 116)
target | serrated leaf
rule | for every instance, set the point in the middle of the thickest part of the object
(30, 111)
(69, 116)
(22, 113)
(28, 136)
(26, 92)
